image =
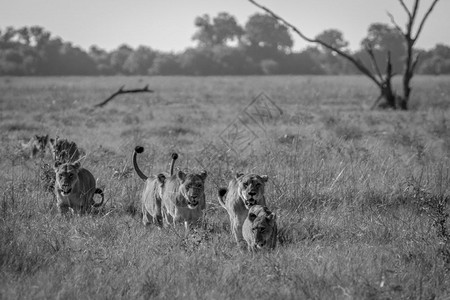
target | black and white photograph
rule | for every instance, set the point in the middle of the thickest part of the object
(208, 149)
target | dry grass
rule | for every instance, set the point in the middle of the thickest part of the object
(360, 195)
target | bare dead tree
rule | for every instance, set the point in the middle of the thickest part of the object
(383, 81)
(123, 91)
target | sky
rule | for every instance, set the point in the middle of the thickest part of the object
(168, 25)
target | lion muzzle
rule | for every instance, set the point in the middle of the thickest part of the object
(250, 202)
(192, 202)
(65, 190)
(260, 244)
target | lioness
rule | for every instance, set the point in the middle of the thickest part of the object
(260, 228)
(37, 145)
(243, 192)
(75, 188)
(152, 193)
(183, 198)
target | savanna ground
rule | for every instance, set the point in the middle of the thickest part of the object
(360, 195)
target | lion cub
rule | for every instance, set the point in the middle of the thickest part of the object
(75, 188)
(260, 228)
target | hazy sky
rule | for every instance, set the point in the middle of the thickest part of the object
(169, 25)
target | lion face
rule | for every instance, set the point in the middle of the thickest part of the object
(66, 177)
(40, 142)
(251, 188)
(192, 188)
(37, 145)
(260, 227)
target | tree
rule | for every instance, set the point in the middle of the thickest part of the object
(101, 59)
(226, 28)
(330, 60)
(198, 61)
(334, 38)
(384, 39)
(437, 61)
(442, 51)
(223, 28)
(263, 31)
(383, 81)
(165, 64)
(140, 61)
(118, 58)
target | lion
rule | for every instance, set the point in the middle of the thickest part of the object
(243, 192)
(152, 193)
(64, 150)
(260, 228)
(37, 145)
(75, 188)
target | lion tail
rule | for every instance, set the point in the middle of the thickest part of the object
(138, 149)
(221, 197)
(100, 192)
(174, 158)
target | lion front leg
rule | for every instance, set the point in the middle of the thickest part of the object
(236, 227)
(145, 217)
(237, 233)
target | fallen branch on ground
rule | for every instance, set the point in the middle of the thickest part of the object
(122, 91)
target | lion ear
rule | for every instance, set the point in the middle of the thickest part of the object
(264, 178)
(203, 175)
(181, 176)
(239, 175)
(266, 210)
(161, 178)
(272, 217)
(251, 217)
(57, 164)
(77, 164)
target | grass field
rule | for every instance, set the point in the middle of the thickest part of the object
(360, 195)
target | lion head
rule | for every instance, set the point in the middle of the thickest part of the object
(64, 150)
(192, 188)
(260, 228)
(251, 188)
(66, 176)
(37, 145)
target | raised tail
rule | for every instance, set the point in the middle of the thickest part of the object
(138, 149)
(221, 197)
(174, 158)
(100, 192)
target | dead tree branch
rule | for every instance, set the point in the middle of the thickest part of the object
(369, 49)
(383, 82)
(425, 17)
(123, 91)
(358, 64)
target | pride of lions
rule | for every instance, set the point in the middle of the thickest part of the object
(166, 198)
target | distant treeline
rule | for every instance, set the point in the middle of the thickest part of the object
(261, 46)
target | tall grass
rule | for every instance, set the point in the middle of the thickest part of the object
(361, 196)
